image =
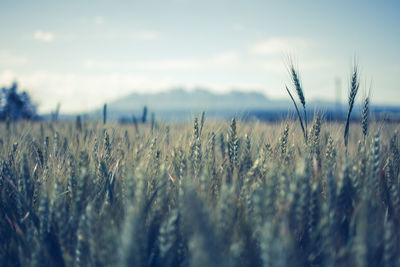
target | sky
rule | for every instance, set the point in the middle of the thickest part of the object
(83, 54)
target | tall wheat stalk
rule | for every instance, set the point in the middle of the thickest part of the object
(294, 75)
(354, 85)
(297, 84)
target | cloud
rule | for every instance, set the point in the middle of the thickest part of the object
(8, 59)
(7, 77)
(43, 36)
(278, 45)
(79, 92)
(224, 59)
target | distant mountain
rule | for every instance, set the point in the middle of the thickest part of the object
(180, 104)
(199, 99)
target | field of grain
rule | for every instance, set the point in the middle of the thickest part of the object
(199, 194)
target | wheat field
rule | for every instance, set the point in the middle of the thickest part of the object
(205, 193)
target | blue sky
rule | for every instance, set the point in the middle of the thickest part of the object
(85, 53)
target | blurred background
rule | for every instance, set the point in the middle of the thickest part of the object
(175, 55)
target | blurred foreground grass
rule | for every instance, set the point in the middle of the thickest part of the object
(200, 194)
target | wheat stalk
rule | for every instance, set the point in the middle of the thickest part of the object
(354, 85)
(365, 117)
(294, 74)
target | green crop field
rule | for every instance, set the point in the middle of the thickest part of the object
(205, 193)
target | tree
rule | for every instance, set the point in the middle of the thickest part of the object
(15, 105)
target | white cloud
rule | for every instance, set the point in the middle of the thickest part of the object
(8, 59)
(278, 45)
(7, 77)
(80, 92)
(224, 59)
(43, 36)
